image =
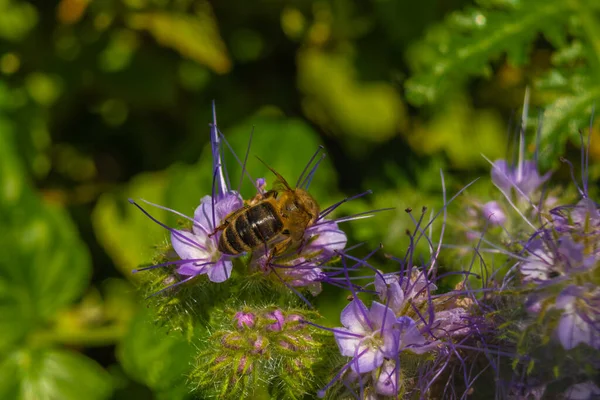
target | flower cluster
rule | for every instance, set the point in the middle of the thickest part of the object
(418, 330)
(266, 343)
(553, 276)
(411, 335)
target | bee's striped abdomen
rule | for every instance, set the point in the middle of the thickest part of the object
(250, 229)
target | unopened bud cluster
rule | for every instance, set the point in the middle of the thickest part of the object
(265, 344)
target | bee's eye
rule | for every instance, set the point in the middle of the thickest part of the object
(285, 232)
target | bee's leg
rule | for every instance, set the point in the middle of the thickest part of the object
(282, 246)
(221, 227)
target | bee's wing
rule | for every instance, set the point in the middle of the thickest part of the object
(280, 185)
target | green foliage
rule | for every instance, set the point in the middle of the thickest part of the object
(45, 268)
(468, 43)
(52, 375)
(156, 358)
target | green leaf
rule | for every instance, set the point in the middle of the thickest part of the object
(452, 52)
(155, 358)
(193, 36)
(52, 375)
(564, 118)
(338, 101)
(44, 265)
(17, 19)
(129, 236)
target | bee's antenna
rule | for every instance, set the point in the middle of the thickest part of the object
(245, 160)
(308, 164)
(277, 174)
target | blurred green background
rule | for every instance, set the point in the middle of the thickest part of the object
(109, 99)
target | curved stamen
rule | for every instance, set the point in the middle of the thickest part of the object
(173, 231)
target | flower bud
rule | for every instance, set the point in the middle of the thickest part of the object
(278, 318)
(244, 320)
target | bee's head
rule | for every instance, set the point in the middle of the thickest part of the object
(307, 205)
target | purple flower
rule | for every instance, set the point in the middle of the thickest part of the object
(583, 391)
(277, 318)
(386, 378)
(402, 291)
(323, 240)
(452, 322)
(197, 247)
(524, 178)
(303, 267)
(550, 259)
(580, 321)
(200, 246)
(492, 211)
(368, 335)
(244, 320)
(582, 217)
(410, 338)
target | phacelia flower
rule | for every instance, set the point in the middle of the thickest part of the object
(580, 321)
(368, 336)
(245, 319)
(198, 248)
(304, 267)
(583, 391)
(493, 212)
(523, 178)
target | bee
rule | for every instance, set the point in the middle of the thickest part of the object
(276, 219)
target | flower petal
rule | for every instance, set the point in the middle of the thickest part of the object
(582, 391)
(203, 217)
(381, 316)
(366, 360)
(410, 337)
(220, 272)
(347, 341)
(189, 246)
(386, 379)
(354, 317)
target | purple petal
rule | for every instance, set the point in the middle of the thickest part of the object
(492, 211)
(203, 223)
(572, 330)
(220, 272)
(278, 318)
(388, 286)
(530, 179)
(329, 237)
(354, 317)
(410, 337)
(193, 268)
(386, 379)
(381, 316)
(502, 176)
(228, 204)
(189, 246)
(366, 360)
(582, 391)
(347, 341)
